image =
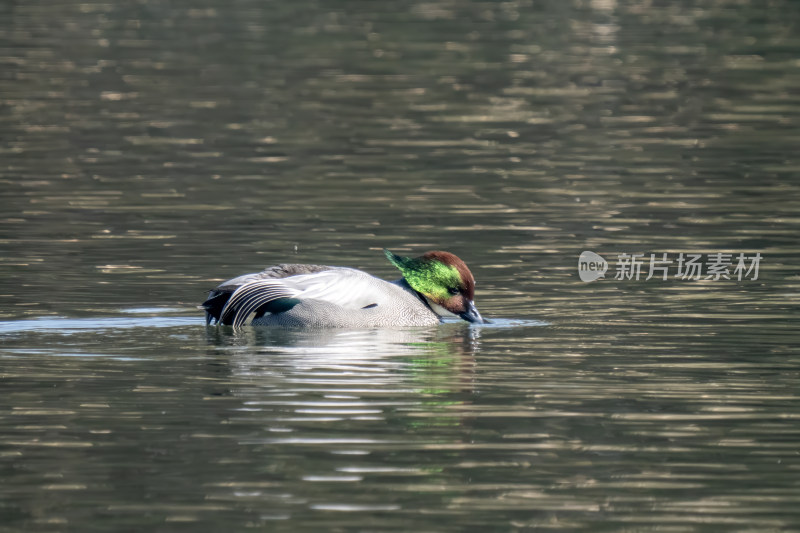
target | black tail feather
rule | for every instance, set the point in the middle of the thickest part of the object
(216, 301)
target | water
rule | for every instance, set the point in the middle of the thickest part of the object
(150, 150)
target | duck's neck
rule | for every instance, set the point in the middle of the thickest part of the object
(404, 284)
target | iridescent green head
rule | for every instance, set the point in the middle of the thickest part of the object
(443, 279)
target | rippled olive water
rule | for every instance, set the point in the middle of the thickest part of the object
(150, 150)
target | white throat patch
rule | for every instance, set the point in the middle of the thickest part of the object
(438, 309)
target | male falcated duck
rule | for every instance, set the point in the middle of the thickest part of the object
(433, 285)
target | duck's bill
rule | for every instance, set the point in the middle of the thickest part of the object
(472, 315)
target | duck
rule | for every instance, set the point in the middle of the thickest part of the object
(435, 285)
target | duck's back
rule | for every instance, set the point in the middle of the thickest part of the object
(218, 297)
(317, 296)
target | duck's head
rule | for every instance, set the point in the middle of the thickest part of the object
(443, 280)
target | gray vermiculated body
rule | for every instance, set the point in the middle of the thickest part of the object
(391, 304)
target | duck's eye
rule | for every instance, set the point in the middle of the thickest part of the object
(453, 290)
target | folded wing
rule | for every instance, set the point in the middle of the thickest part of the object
(345, 287)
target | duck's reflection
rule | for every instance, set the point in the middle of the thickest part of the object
(324, 375)
(344, 344)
